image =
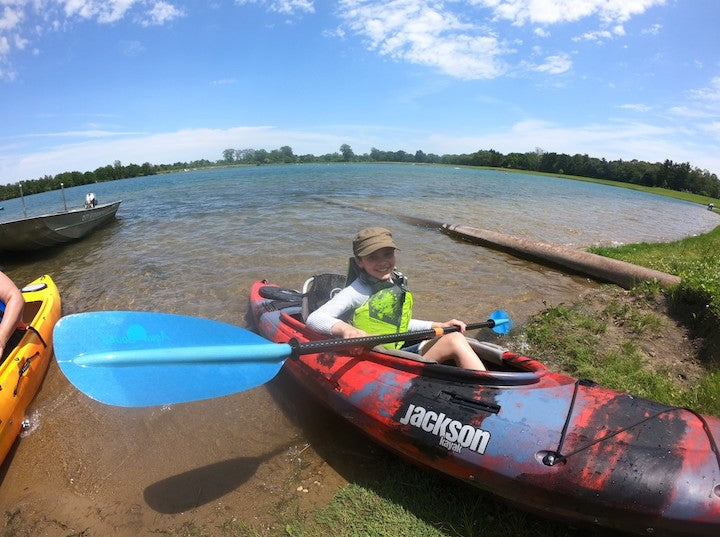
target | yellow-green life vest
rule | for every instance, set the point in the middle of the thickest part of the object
(387, 311)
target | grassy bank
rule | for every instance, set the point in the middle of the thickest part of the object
(686, 196)
(696, 260)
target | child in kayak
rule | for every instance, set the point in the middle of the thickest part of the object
(379, 302)
(11, 310)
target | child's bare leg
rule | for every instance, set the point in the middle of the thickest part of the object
(454, 346)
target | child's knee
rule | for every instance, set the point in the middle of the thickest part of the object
(456, 338)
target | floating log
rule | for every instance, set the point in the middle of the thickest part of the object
(602, 268)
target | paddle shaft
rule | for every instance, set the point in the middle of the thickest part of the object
(311, 347)
(251, 352)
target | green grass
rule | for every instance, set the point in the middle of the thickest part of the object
(687, 196)
(414, 502)
(573, 339)
(695, 259)
(572, 336)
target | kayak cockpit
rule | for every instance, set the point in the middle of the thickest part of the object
(292, 307)
(504, 367)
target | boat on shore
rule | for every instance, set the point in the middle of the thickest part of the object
(558, 446)
(26, 357)
(36, 232)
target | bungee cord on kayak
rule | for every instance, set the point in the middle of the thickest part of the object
(554, 457)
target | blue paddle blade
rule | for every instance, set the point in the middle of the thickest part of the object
(503, 323)
(138, 359)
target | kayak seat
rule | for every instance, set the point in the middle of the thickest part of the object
(288, 297)
(404, 354)
(490, 353)
(319, 289)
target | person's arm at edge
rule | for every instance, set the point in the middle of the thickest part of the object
(14, 304)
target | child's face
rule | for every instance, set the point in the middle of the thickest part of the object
(380, 263)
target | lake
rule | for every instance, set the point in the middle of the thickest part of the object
(193, 242)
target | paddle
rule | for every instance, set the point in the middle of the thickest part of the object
(137, 359)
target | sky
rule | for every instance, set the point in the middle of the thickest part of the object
(85, 83)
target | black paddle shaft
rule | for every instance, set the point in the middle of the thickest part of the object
(311, 347)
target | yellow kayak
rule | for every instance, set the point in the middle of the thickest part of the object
(30, 350)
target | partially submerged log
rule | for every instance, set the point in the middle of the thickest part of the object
(602, 268)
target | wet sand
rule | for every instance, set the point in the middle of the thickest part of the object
(80, 474)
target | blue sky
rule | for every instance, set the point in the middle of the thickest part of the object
(86, 82)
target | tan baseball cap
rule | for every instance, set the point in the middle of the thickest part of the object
(371, 239)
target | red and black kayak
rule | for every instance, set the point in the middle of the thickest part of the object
(547, 442)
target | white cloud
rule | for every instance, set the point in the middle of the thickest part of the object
(92, 133)
(712, 128)
(652, 30)
(452, 37)
(21, 21)
(132, 48)
(554, 65)
(613, 140)
(702, 103)
(635, 107)
(160, 13)
(599, 35)
(155, 12)
(447, 36)
(709, 95)
(106, 11)
(10, 18)
(688, 112)
(100, 148)
(20, 43)
(224, 82)
(421, 32)
(548, 12)
(284, 7)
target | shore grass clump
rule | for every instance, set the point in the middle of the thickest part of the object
(696, 260)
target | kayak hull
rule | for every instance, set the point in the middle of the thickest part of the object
(23, 370)
(544, 441)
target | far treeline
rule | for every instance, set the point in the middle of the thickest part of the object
(681, 177)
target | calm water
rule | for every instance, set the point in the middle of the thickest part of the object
(193, 242)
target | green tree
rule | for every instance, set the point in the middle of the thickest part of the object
(229, 155)
(347, 153)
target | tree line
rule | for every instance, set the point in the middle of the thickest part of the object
(668, 174)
